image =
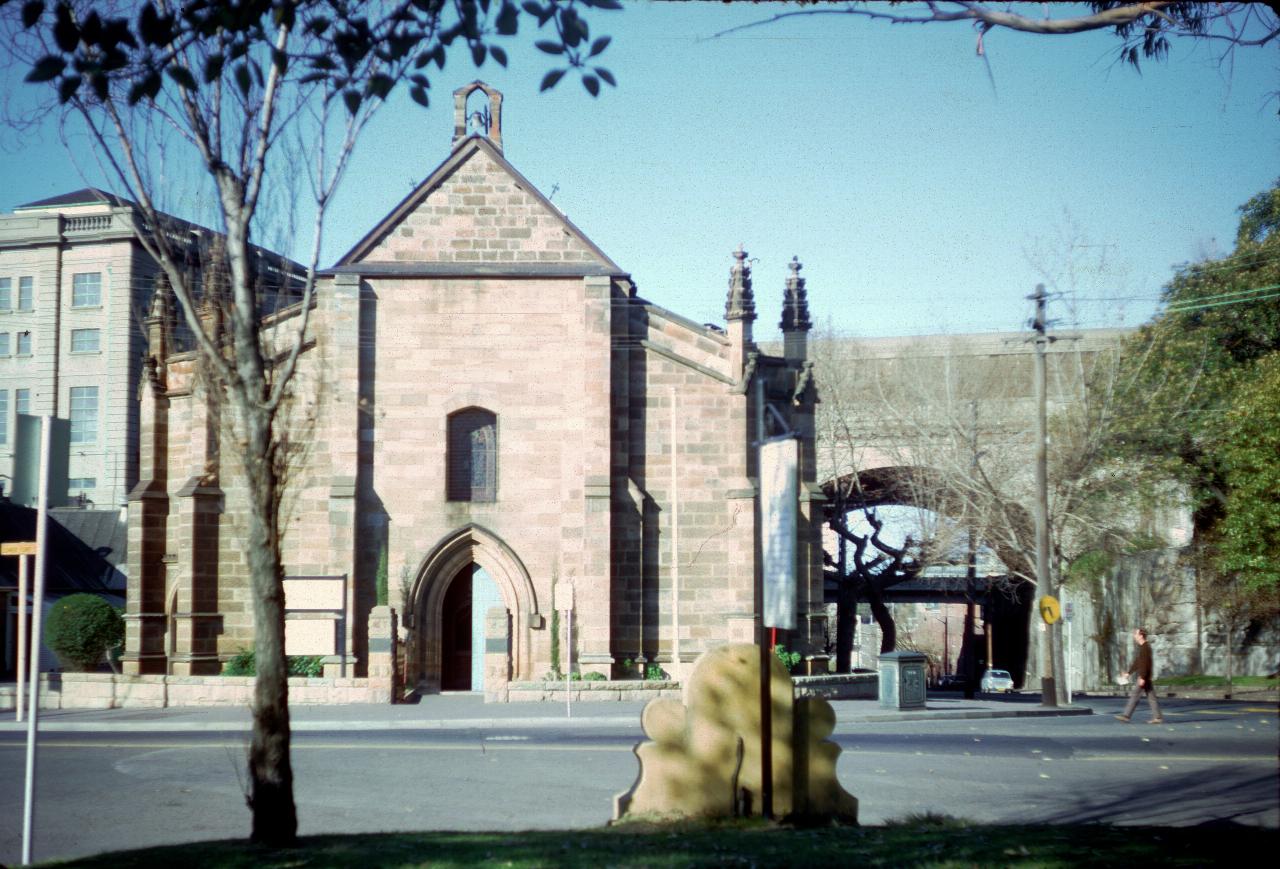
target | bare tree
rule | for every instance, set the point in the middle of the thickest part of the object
(945, 425)
(220, 90)
(1143, 30)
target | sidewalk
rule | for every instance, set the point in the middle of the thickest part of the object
(470, 712)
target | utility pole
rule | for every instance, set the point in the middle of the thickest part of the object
(967, 651)
(1044, 579)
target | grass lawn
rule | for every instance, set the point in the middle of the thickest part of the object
(941, 842)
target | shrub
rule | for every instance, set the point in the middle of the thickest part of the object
(789, 659)
(243, 664)
(81, 628)
(588, 677)
(654, 673)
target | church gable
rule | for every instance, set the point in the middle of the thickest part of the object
(478, 212)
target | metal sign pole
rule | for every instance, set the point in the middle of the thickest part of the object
(18, 699)
(37, 606)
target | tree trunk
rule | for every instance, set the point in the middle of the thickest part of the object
(275, 821)
(846, 609)
(888, 631)
(966, 650)
(1231, 632)
(846, 615)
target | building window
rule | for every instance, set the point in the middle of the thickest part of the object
(472, 456)
(81, 489)
(26, 293)
(86, 290)
(22, 401)
(85, 340)
(4, 416)
(84, 414)
(6, 293)
(4, 343)
(24, 344)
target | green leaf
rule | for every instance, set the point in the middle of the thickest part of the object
(508, 21)
(379, 86)
(551, 79)
(592, 84)
(213, 68)
(603, 4)
(478, 53)
(31, 13)
(419, 95)
(46, 68)
(280, 60)
(144, 88)
(244, 81)
(67, 88)
(606, 76)
(549, 46)
(155, 29)
(353, 99)
(65, 32)
(182, 76)
(498, 54)
(102, 87)
(600, 45)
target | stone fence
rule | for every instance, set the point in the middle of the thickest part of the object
(112, 691)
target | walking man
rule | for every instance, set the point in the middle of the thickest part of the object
(1141, 669)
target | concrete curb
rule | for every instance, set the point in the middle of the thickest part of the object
(594, 722)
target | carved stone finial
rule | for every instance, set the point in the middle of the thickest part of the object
(741, 304)
(795, 303)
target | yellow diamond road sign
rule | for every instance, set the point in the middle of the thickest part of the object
(25, 547)
(1050, 610)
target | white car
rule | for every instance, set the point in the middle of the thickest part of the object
(997, 680)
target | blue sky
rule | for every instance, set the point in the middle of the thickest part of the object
(920, 197)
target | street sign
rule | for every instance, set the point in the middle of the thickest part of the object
(562, 596)
(778, 501)
(1050, 610)
(24, 547)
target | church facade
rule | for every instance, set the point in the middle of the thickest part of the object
(488, 421)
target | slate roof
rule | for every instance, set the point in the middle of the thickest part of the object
(73, 566)
(84, 196)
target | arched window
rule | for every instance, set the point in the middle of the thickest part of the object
(472, 456)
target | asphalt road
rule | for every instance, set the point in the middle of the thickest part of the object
(1210, 762)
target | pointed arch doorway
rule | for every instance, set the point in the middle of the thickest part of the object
(471, 593)
(467, 574)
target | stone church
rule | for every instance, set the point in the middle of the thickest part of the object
(489, 420)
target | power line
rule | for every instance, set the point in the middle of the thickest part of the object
(1228, 302)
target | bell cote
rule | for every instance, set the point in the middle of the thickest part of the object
(484, 119)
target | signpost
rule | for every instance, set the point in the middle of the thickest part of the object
(562, 595)
(775, 551)
(37, 607)
(23, 550)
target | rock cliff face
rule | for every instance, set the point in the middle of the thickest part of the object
(1156, 590)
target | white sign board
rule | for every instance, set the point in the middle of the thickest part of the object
(310, 637)
(778, 503)
(313, 594)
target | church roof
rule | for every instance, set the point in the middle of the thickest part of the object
(466, 150)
